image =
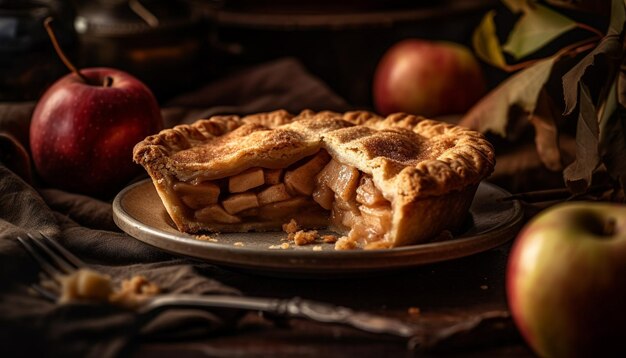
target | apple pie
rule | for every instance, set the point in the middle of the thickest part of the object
(380, 182)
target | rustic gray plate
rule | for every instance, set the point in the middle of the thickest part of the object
(139, 212)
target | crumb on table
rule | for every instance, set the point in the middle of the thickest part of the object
(329, 239)
(317, 248)
(238, 243)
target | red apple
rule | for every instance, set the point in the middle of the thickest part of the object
(427, 78)
(566, 281)
(82, 134)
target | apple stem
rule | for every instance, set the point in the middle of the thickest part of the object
(59, 51)
(108, 81)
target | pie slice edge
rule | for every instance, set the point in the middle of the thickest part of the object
(381, 182)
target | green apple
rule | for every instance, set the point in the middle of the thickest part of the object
(566, 281)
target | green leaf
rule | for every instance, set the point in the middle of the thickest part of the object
(522, 89)
(578, 174)
(537, 27)
(486, 43)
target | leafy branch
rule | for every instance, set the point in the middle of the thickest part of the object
(593, 91)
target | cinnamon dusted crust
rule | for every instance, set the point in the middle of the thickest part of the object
(411, 160)
(422, 157)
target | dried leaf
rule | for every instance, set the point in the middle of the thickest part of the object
(522, 89)
(608, 107)
(607, 56)
(613, 134)
(578, 174)
(597, 143)
(618, 17)
(486, 43)
(546, 133)
(621, 86)
(537, 27)
(516, 5)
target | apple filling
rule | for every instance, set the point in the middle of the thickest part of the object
(318, 191)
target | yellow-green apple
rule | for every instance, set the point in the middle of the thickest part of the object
(566, 281)
(84, 128)
(427, 78)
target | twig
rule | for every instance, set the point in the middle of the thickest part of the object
(580, 25)
(574, 48)
(554, 194)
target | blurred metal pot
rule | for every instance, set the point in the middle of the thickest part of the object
(28, 63)
(163, 43)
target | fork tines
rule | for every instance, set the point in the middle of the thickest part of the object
(53, 258)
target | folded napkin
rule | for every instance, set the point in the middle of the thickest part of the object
(31, 325)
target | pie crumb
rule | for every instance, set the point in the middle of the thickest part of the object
(414, 311)
(484, 287)
(134, 291)
(206, 238)
(238, 243)
(329, 239)
(305, 237)
(291, 227)
(345, 243)
(283, 246)
(317, 248)
(86, 284)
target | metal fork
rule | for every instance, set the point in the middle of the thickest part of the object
(56, 262)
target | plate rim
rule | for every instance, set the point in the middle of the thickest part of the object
(240, 257)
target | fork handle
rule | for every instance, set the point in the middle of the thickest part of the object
(293, 307)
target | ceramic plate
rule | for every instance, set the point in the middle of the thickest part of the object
(139, 212)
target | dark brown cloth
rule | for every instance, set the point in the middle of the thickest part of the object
(31, 325)
(282, 84)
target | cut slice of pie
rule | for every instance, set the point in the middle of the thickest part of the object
(380, 182)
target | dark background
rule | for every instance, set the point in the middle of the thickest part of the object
(197, 41)
(182, 44)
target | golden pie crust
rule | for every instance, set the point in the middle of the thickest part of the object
(395, 181)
